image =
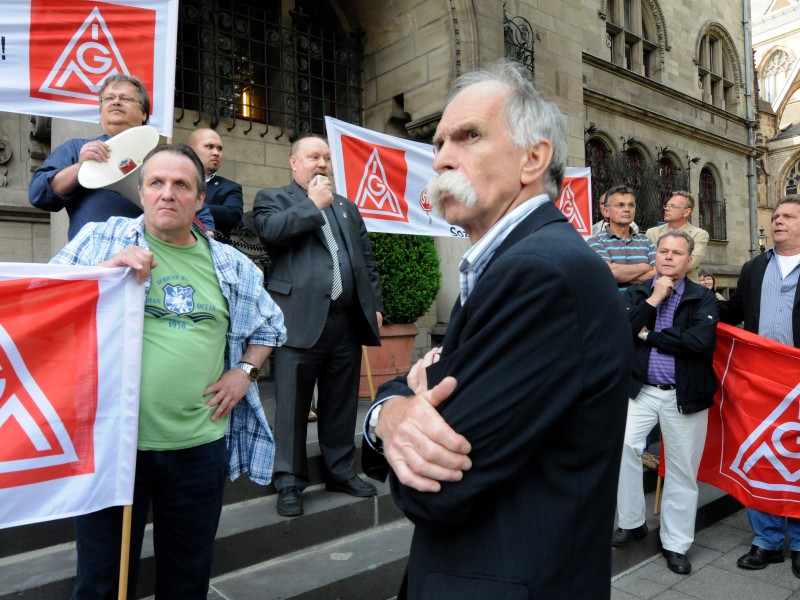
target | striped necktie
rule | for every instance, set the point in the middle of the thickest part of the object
(333, 248)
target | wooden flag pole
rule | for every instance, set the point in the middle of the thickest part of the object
(369, 373)
(125, 552)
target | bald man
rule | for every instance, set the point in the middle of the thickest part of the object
(223, 196)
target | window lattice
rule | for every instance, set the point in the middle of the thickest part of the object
(238, 60)
(712, 207)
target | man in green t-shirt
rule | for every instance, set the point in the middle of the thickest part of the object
(208, 327)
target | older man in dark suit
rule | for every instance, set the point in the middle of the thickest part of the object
(504, 443)
(324, 278)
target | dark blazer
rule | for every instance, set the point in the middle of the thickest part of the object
(224, 200)
(541, 352)
(289, 224)
(745, 303)
(691, 339)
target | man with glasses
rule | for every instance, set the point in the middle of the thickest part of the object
(124, 103)
(629, 254)
(676, 216)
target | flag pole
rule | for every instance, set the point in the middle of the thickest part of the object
(369, 373)
(125, 551)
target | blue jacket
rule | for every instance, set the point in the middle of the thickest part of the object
(84, 205)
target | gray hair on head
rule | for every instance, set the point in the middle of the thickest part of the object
(531, 118)
(144, 97)
(787, 199)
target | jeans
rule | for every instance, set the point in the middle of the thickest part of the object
(185, 489)
(771, 530)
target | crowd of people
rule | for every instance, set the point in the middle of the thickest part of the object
(321, 304)
(497, 441)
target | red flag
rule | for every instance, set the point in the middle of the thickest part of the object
(575, 200)
(70, 356)
(752, 448)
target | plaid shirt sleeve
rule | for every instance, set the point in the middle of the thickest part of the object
(254, 319)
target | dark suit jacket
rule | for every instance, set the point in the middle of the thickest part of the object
(289, 224)
(745, 302)
(224, 200)
(541, 351)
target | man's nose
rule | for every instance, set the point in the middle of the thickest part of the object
(443, 160)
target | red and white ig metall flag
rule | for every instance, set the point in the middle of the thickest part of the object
(70, 362)
(753, 444)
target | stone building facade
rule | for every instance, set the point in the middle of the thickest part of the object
(776, 45)
(655, 93)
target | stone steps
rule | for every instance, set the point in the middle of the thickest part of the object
(342, 547)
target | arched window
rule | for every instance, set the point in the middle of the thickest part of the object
(774, 74)
(668, 178)
(632, 35)
(246, 60)
(715, 72)
(634, 165)
(711, 207)
(639, 174)
(597, 158)
(792, 180)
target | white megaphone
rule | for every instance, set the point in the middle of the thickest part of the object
(120, 173)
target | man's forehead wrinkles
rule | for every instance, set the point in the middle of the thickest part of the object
(460, 126)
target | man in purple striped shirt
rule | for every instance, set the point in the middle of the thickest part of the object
(673, 321)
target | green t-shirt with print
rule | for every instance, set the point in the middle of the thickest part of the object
(185, 323)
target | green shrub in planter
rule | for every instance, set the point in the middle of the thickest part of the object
(409, 271)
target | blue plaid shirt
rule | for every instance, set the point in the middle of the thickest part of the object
(254, 319)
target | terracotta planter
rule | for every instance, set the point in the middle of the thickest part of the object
(391, 358)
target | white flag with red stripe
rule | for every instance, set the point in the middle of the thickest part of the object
(387, 177)
(70, 362)
(54, 54)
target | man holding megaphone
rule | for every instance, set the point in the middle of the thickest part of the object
(124, 104)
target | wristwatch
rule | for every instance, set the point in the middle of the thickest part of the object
(251, 370)
(373, 423)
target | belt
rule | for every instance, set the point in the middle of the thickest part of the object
(663, 386)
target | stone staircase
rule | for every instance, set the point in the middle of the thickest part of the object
(342, 547)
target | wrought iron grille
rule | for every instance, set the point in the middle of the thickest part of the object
(653, 183)
(237, 60)
(712, 210)
(519, 38)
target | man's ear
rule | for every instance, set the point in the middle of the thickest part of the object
(535, 162)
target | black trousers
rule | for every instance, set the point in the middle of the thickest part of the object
(334, 365)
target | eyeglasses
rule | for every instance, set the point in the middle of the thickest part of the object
(122, 99)
(674, 207)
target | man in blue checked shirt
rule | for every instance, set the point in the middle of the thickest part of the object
(629, 254)
(209, 325)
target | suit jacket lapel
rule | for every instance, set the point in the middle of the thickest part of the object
(339, 213)
(298, 194)
(544, 215)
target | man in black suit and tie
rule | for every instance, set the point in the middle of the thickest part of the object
(504, 443)
(223, 196)
(323, 276)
